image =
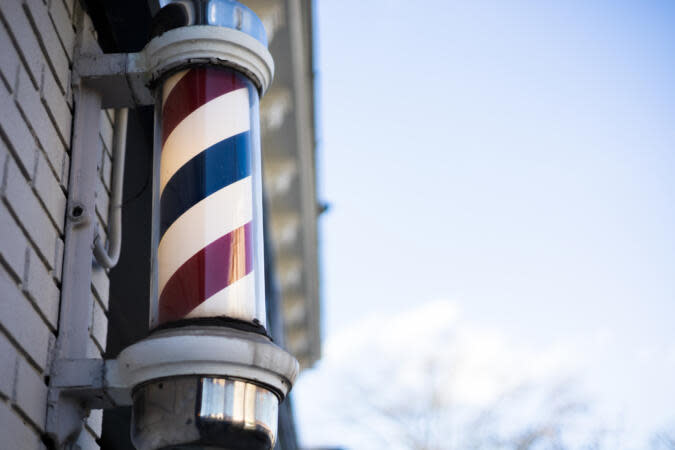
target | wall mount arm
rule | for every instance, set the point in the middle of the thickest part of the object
(95, 383)
(218, 351)
(126, 79)
(103, 384)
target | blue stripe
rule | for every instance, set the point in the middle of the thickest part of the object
(216, 167)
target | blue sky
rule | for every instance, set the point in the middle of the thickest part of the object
(513, 159)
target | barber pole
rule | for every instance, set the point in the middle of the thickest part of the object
(208, 375)
(210, 260)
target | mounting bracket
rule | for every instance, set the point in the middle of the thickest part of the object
(94, 383)
(126, 79)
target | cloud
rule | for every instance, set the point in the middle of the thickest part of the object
(394, 358)
(483, 361)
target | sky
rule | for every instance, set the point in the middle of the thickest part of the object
(500, 176)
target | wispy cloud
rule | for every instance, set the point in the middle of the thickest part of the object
(395, 358)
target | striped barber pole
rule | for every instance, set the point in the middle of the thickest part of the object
(210, 246)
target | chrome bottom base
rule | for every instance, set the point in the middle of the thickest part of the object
(199, 412)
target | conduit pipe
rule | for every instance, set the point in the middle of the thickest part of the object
(109, 258)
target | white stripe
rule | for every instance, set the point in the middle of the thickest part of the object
(210, 219)
(232, 301)
(170, 83)
(219, 119)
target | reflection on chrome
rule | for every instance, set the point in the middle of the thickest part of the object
(203, 412)
(213, 398)
(238, 402)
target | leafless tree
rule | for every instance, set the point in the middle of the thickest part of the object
(426, 418)
(664, 440)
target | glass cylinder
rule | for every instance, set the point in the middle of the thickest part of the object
(207, 214)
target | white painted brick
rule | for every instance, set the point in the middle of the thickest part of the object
(8, 367)
(36, 105)
(24, 38)
(110, 114)
(24, 204)
(100, 284)
(86, 441)
(93, 350)
(12, 244)
(99, 327)
(31, 394)
(95, 422)
(20, 141)
(69, 4)
(106, 171)
(10, 59)
(41, 289)
(15, 432)
(65, 171)
(35, 115)
(49, 41)
(102, 201)
(58, 261)
(106, 133)
(63, 25)
(12, 240)
(101, 229)
(4, 154)
(57, 106)
(22, 322)
(36, 46)
(49, 192)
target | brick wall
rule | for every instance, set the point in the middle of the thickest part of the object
(37, 39)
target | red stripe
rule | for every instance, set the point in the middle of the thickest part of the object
(248, 240)
(212, 269)
(198, 86)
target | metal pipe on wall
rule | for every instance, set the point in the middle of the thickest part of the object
(109, 257)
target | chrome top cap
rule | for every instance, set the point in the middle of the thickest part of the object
(221, 13)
